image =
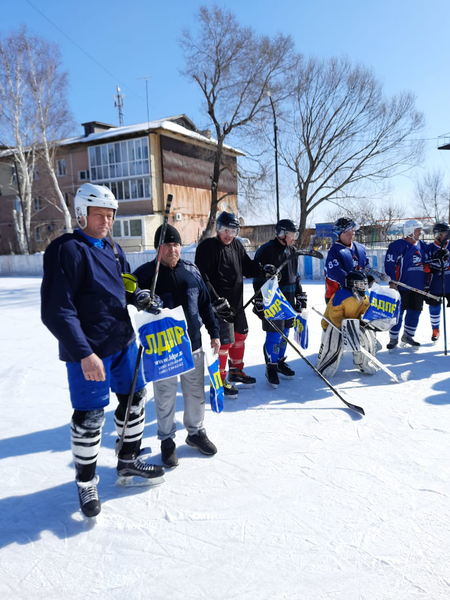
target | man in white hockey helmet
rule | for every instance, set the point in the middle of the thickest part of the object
(84, 305)
(404, 262)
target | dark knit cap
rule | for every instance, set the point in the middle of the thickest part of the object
(172, 236)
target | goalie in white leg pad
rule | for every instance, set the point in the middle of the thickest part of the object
(343, 311)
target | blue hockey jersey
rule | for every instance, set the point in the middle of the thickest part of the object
(404, 261)
(434, 277)
(340, 261)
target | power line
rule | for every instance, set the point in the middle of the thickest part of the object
(84, 51)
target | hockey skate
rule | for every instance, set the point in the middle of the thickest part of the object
(229, 390)
(272, 374)
(284, 369)
(89, 501)
(393, 343)
(435, 335)
(238, 376)
(132, 471)
(409, 342)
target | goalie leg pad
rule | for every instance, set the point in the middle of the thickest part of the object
(368, 341)
(330, 352)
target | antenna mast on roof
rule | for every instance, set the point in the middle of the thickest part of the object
(146, 79)
(118, 103)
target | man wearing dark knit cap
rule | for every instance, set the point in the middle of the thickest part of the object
(180, 284)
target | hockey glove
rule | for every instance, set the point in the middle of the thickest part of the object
(258, 308)
(301, 300)
(145, 302)
(436, 265)
(268, 271)
(441, 254)
(223, 310)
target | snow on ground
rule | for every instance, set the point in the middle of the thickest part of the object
(304, 500)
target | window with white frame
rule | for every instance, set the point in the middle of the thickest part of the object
(37, 204)
(127, 228)
(83, 175)
(124, 167)
(61, 167)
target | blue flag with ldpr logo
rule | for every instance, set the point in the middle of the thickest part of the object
(301, 334)
(276, 307)
(167, 347)
(216, 386)
(384, 307)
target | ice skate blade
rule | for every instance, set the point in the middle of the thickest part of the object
(274, 385)
(286, 376)
(138, 481)
(409, 347)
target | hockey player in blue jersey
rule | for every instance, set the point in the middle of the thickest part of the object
(345, 255)
(437, 258)
(404, 262)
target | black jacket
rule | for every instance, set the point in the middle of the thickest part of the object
(223, 267)
(182, 286)
(83, 299)
(275, 253)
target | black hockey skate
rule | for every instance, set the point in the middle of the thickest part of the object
(229, 390)
(201, 441)
(272, 374)
(89, 501)
(284, 369)
(238, 376)
(134, 472)
(408, 341)
(393, 343)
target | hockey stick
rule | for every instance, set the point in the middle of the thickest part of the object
(404, 376)
(444, 321)
(120, 441)
(354, 407)
(387, 279)
(297, 253)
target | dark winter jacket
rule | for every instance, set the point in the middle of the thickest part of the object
(223, 268)
(274, 253)
(182, 286)
(83, 299)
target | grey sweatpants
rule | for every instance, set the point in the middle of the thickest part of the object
(193, 389)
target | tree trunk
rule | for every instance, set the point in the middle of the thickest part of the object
(214, 192)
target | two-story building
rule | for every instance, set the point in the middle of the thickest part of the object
(141, 164)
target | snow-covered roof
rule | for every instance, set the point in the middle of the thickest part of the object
(160, 124)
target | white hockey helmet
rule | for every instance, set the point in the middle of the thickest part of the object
(410, 226)
(90, 194)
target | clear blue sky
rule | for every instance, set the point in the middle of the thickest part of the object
(404, 41)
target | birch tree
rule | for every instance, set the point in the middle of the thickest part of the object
(33, 115)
